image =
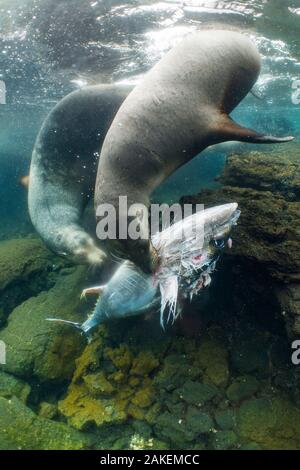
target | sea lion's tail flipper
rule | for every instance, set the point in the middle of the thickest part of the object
(230, 130)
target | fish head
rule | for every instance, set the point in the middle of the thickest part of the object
(218, 223)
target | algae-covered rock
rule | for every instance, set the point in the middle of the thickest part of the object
(225, 419)
(144, 363)
(21, 258)
(175, 370)
(97, 384)
(121, 357)
(181, 429)
(266, 186)
(40, 349)
(138, 442)
(242, 387)
(144, 397)
(288, 296)
(197, 393)
(12, 386)
(21, 428)
(104, 388)
(276, 171)
(250, 356)
(26, 268)
(84, 411)
(212, 358)
(224, 440)
(273, 423)
(48, 410)
(198, 421)
(268, 229)
(172, 428)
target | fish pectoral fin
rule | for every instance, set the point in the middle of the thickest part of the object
(230, 130)
(169, 296)
(97, 290)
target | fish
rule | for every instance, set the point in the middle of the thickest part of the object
(188, 252)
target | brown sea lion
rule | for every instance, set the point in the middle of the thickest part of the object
(181, 107)
(63, 168)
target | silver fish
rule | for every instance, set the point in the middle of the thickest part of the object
(188, 252)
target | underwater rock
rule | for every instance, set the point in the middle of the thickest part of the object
(197, 393)
(276, 171)
(144, 363)
(21, 428)
(173, 372)
(198, 421)
(83, 411)
(273, 423)
(172, 427)
(170, 400)
(242, 387)
(267, 188)
(12, 386)
(224, 440)
(288, 297)
(104, 390)
(36, 348)
(48, 410)
(225, 419)
(20, 258)
(26, 268)
(268, 229)
(212, 357)
(140, 443)
(250, 355)
(180, 429)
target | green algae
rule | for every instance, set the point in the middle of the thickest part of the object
(242, 387)
(23, 429)
(273, 423)
(12, 386)
(39, 348)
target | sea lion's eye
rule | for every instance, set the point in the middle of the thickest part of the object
(219, 243)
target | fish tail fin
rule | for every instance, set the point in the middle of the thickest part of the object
(74, 324)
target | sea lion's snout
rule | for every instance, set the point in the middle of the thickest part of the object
(80, 247)
(90, 254)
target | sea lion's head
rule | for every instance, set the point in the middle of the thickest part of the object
(77, 245)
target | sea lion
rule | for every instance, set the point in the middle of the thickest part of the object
(63, 168)
(180, 107)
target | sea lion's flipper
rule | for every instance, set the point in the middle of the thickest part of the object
(24, 180)
(230, 130)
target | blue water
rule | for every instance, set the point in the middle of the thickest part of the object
(49, 48)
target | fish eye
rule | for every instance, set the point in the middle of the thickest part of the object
(219, 243)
